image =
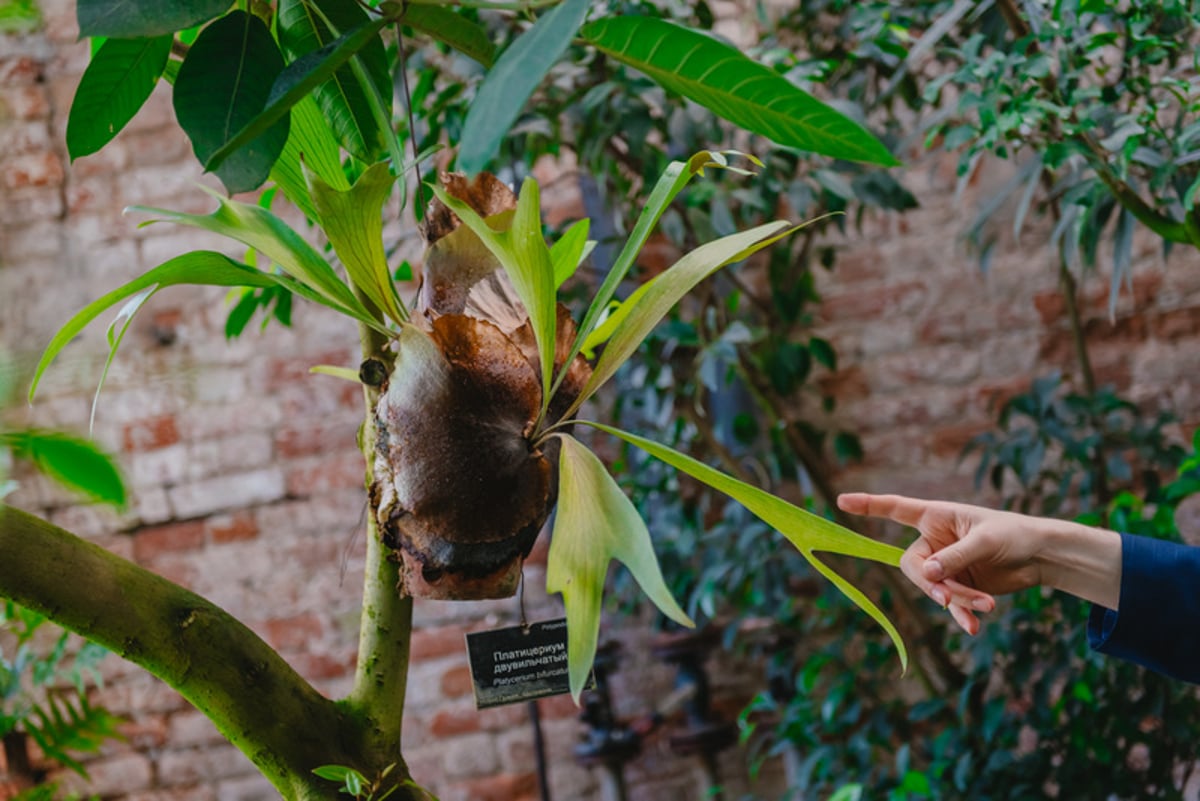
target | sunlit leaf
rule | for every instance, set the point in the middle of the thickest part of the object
(260, 229)
(722, 79)
(595, 524)
(116, 83)
(222, 86)
(75, 463)
(353, 221)
(309, 141)
(570, 250)
(808, 532)
(344, 373)
(121, 18)
(522, 252)
(511, 81)
(637, 316)
(674, 178)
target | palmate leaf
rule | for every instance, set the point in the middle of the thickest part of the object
(222, 86)
(522, 252)
(596, 523)
(343, 99)
(116, 83)
(637, 316)
(511, 81)
(258, 228)
(75, 463)
(297, 81)
(724, 80)
(123, 19)
(808, 532)
(353, 221)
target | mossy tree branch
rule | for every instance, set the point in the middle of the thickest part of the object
(253, 696)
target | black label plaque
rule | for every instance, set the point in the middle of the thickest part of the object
(518, 663)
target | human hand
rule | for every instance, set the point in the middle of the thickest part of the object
(967, 554)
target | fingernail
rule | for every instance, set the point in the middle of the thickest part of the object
(934, 570)
(981, 605)
(939, 595)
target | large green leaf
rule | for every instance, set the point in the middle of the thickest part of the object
(198, 267)
(116, 83)
(343, 99)
(76, 463)
(595, 523)
(297, 81)
(643, 310)
(453, 29)
(512, 80)
(353, 221)
(258, 228)
(674, 178)
(310, 146)
(128, 20)
(222, 86)
(808, 532)
(522, 252)
(723, 79)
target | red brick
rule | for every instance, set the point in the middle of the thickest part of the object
(343, 471)
(504, 787)
(151, 433)
(950, 440)
(145, 731)
(234, 527)
(871, 304)
(294, 441)
(432, 643)
(558, 707)
(19, 71)
(149, 543)
(294, 369)
(27, 102)
(42, 168)
(447, 723)
(315, 667)
(456, 682)
(293, 632)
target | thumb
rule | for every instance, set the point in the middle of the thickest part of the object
(954, 559)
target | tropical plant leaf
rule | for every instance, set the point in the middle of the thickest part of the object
(570, 249)
(311, 143)
(298, 80)
(70, 723)
(332, 370)
(115, 85)
(453, 29)
(260, 229)
(674, 178)
(722, 79)
(200, 267)
(222, 86)
(126, 20)
(808, 532)
(304, 27)
(510, 82)
(596, 523)
(636, 317)
(353, 221)
(522, 252)
(75, 463)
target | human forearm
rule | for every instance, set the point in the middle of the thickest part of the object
(1081, 560)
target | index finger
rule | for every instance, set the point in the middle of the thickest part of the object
(899, 508)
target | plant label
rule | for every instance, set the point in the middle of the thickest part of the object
(519, 663)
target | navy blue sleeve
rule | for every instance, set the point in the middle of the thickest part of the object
(1158, 624)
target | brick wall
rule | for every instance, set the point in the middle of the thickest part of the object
(248, 487)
